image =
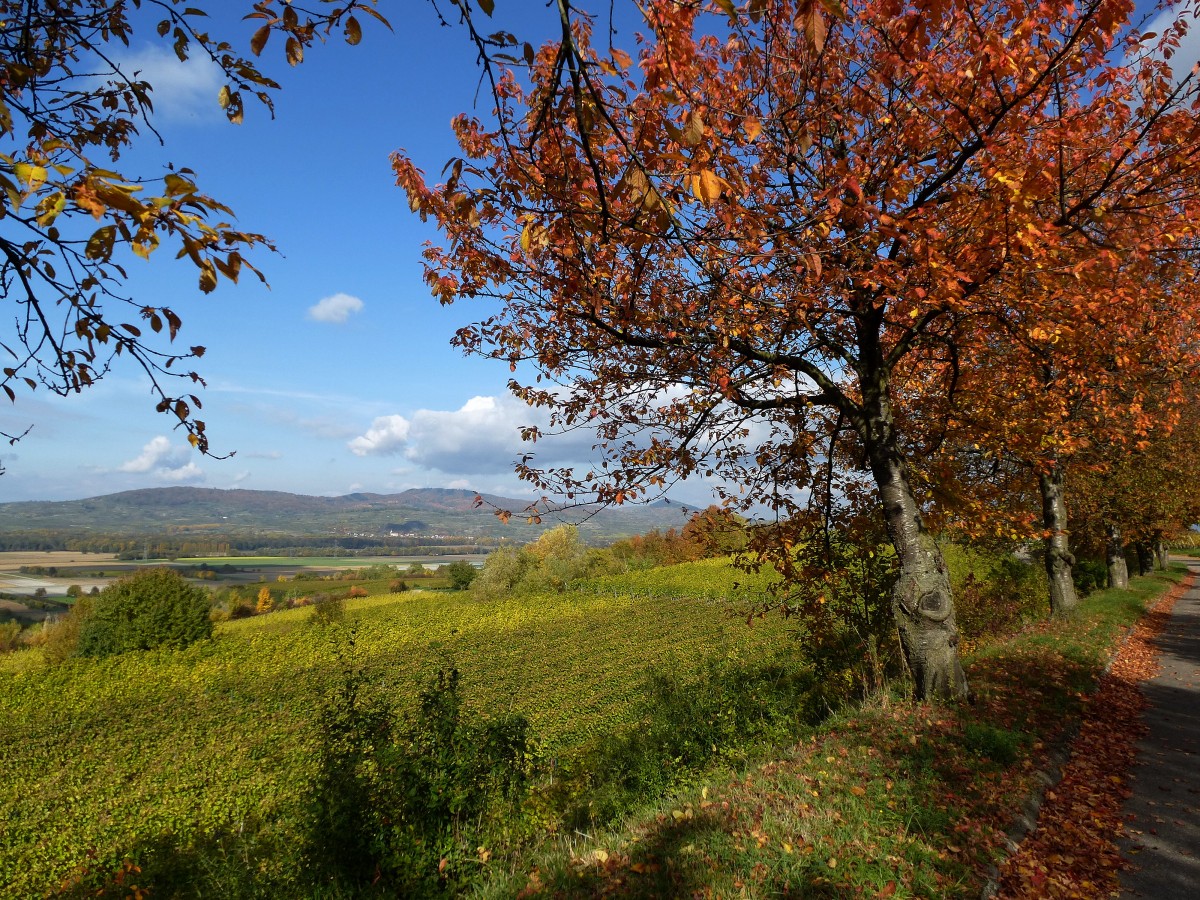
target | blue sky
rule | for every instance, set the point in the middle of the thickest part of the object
(340, 377)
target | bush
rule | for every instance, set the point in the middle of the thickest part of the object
(1089, 575)
(405, 809)
(327, 609)
(686, 724)
(398, 586)
(152, 608)
(9, 632)
(502, 571)
(550, 563)
(461, 574)
(266, 603)
(1010, 593)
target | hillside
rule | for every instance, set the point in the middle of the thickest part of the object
(425, 511)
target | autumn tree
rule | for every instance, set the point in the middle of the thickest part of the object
(717, 253)
(73, 220)
(265, 602)
(1099, 371)
(1140, 495)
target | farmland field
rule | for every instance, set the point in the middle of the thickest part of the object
(103, 757)
(12, 560)
(328, 562)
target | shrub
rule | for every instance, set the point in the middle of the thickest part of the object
(405, 808)
(502, 571)
(152, 608)
(240, 610)
(1010, 593)
(1089, 575)
(357, 591)
(327, 609)
(398, 586)
(59, 637)
(686, 723)
(9, 632)
(461, 574)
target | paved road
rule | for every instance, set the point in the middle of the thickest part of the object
(1163, 814)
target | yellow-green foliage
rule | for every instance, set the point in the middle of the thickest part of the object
(713, 578)
(102, 757)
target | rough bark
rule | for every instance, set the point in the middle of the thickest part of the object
(922, 600)
(1059, 558)
(1114, 552)
(1162, 557)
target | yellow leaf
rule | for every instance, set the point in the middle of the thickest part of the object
(177, 185)
(729, 9)
(693, 130)
(752, 127)
(833, 862)
(49, 208)
(34, 176)
(208, 277)
(223, 96)
(353, 31)
(707, 186)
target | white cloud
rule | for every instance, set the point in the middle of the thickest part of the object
(482, 436)
(186, 474)
(183, 91)
(157, 454)
(336, 309)
(386, 436)
(267, 454)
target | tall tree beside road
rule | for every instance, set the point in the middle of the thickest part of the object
(715, 253)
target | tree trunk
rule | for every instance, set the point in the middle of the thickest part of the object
(1114, 552)
(922, 601)
(1145, 557)
(1059, 558)
(1161, 556)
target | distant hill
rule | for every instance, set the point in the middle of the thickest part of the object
(428, 511)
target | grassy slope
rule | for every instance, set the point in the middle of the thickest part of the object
(113, 755)
(889, 800)
(105, 756)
